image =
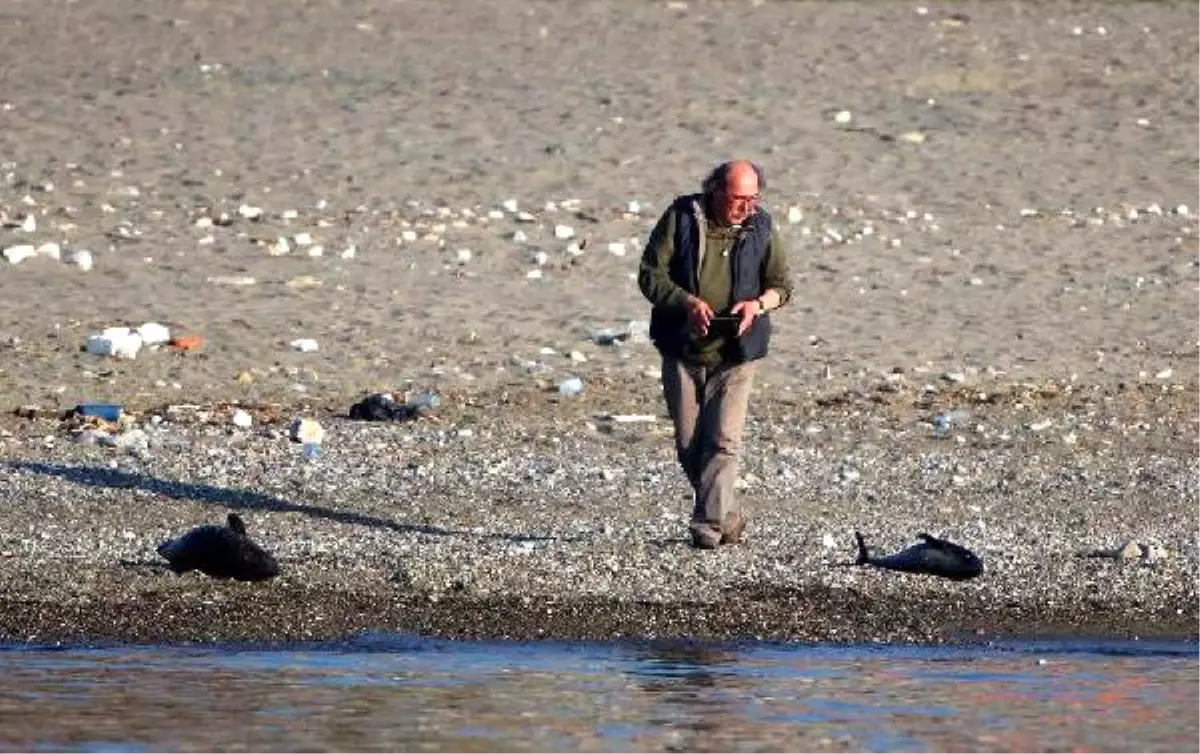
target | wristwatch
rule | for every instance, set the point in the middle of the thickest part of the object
(762, 307)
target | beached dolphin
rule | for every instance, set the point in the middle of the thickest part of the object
(933, 556)
(222, 552)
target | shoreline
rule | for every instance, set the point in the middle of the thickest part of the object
(809, 616)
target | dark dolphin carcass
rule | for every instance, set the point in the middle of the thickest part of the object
(933, 556)
(222, 552)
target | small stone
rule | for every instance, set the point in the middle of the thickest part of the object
(564, 232)
(510, 205)
(1182, 210)
(914, 137)
(534, 274)
(616, 248)
(242, 419)
(462, 256)
(843, 117)
(606, 337)
(302, 239)
(1164, 374)
(29, 224)
(304, 345)
(279, 248)
(153, 334)
(249, 212)
(541, 258)
(81, 259)
(571, 387)
(795, 215)
(349, 252)
(519, 237)
(19, 253)
(236, 280)
(301, 282)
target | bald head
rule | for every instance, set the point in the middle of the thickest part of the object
(742, 179)
(732, 190)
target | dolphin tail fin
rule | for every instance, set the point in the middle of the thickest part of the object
(863, 556)
(236, 524)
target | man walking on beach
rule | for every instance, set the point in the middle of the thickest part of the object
(712, 269)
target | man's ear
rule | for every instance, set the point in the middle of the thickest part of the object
(762, 177)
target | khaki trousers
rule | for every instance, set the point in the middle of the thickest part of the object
(708, 406)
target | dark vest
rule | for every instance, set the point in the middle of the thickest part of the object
(669, 327)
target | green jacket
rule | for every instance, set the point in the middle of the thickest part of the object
(710, 270)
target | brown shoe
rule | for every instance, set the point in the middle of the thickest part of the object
(733, 528)
(705, 537)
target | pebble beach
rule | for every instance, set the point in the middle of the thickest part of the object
(991, 220)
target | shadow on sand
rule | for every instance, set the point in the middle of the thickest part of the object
(235, 499)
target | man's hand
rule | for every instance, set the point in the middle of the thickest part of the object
(748, 311)
(699, 314)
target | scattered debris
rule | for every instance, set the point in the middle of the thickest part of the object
(383, 407)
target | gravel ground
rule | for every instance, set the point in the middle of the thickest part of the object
(539, 516)
(991, 214)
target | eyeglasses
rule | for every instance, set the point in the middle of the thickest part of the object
(741, 199)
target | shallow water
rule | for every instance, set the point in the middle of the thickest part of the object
(400, 693)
